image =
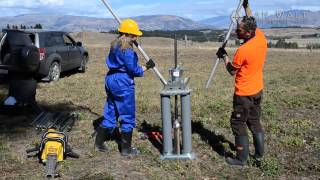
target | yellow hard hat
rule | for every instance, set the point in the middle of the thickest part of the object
(130, 26)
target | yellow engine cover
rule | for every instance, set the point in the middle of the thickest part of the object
(53, 147)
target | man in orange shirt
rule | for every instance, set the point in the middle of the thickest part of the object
(247, 67)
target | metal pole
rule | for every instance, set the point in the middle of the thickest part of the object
(111, 11)
(175, 52)
(146, 57)
(166, 124)
(186, 40)
(212, 73)
(176, 125)
(186, 123)
(233, 17)
(176, 110)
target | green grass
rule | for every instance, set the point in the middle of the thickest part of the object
(270, 166)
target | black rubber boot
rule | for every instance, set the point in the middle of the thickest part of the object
(102, 135)
(258, 141)
(126, 149)
(242, 145)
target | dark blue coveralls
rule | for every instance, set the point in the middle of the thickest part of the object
(120, 88)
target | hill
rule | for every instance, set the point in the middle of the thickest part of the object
(291, 18)
(79, 23)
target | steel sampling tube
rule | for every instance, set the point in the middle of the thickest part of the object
(186, 124)
(166, 124)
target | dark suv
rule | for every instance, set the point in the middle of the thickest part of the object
(58, 51)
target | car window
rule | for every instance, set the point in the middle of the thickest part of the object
(42, 39)
(67, 40)
(54, 39)
(20, 38)
(3, 38)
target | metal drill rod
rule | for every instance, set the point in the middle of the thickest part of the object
(175, 52)
(176, 125)
(146, 57)
(234, 15)
(176, 110)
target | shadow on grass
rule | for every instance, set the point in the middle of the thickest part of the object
(16, 122)
(69, 73)
(12, 119)
(215, 141)
(147, 128)
(66, 107)
(62, 75)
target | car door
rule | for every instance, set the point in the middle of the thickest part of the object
(55, 43)
(74, 52)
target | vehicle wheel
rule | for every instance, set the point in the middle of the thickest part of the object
(54, 72)
(83, 65)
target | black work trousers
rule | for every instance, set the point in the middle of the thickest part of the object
(246, 113)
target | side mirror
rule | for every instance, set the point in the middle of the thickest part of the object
(79, 44)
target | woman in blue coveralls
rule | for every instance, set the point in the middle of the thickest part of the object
(120, 88)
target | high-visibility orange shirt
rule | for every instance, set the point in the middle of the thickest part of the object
(249, 60)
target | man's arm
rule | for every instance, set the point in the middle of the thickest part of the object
(230, 68)
(247, 8)
(222, 54)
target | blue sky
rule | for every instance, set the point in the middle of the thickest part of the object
(194, 9)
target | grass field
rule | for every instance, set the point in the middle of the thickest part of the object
(290, 118)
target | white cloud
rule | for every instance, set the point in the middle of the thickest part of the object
(52, 2)
(311, 8)
(15, 3)
(30, 3)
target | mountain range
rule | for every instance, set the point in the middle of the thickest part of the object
(301, 18)
(292, 18)
(79, 23)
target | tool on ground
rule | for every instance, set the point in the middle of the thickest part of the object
(234, 17)
(146, 57)
(177, 120)
(152, 135)
(60, 121)
(52, 149)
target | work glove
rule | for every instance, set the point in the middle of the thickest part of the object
(222, 53)
(150, 64)
(245, 3)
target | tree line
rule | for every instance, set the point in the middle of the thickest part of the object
(21, 26)
(193, 35)
(219, 35)
(281, 43)
(313, 46)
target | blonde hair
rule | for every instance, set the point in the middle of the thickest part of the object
(123, 40)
